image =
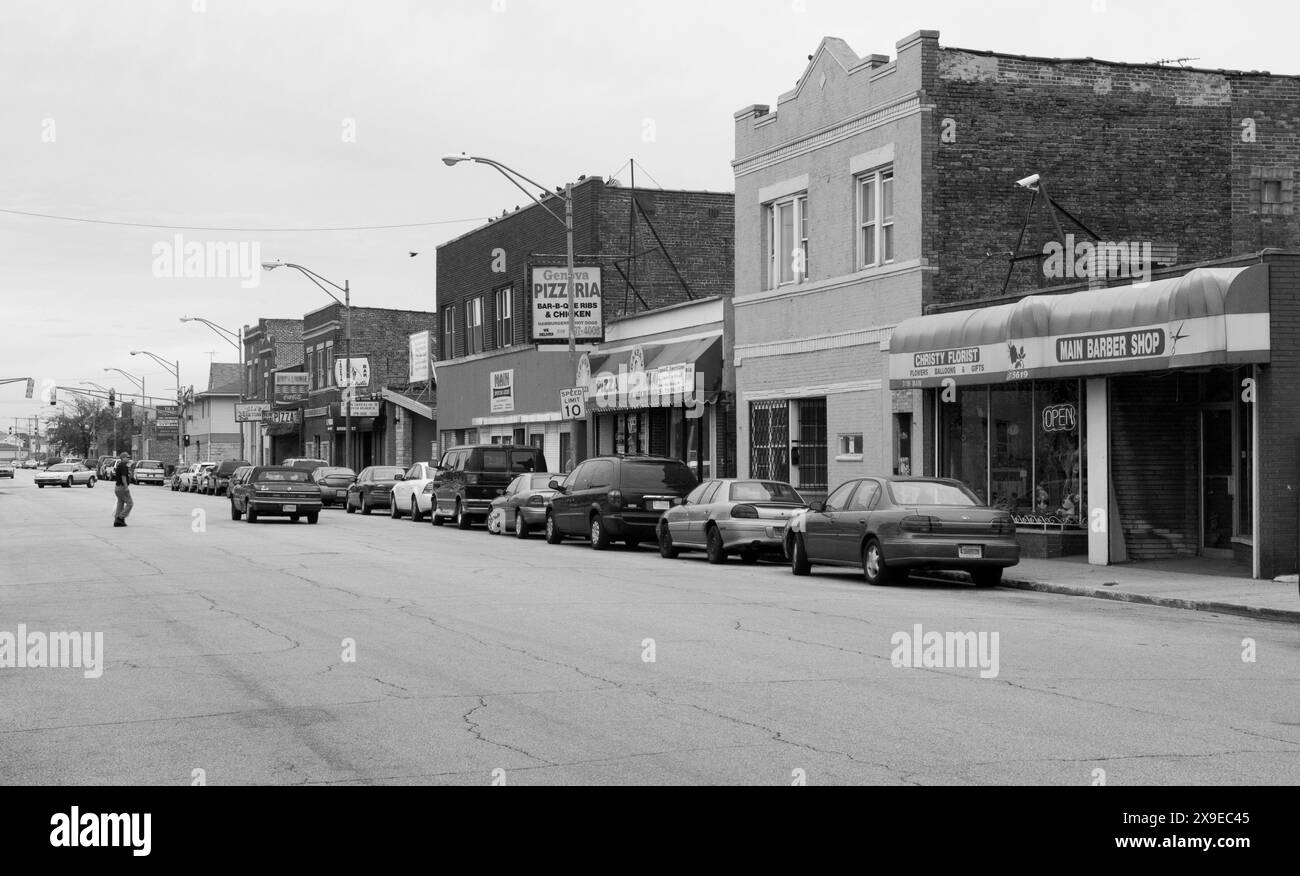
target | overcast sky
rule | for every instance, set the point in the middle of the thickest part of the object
(323, 114)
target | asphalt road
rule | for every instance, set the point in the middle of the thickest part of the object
(482, 658)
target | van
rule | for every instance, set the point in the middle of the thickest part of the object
(469, 478)
(622, 497)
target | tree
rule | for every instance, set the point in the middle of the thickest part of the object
(88, 422)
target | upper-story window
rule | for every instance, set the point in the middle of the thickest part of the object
(505, 319)
(474, 326)
(788, 241)
(876, 218)
(327, 366)
(449, 331)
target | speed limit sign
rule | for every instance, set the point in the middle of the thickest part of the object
(573, 404)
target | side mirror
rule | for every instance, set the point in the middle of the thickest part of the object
(400, 478)
(817, 507)
(556, 486)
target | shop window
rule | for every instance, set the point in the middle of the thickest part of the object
(520, 436)
(812, 448)
(1011, 457)
(1058, 452)
(850, 446)
(1246, 457)
(903, 444)
(963, 439)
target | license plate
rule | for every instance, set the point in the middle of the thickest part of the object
(290, 509)
(659, 505)
(342, 494)
(970, 551)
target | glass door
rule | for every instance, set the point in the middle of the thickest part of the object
(1217, 481)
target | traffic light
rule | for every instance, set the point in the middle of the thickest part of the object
(31, 387)
(112, 398)
(54, 397)
(187, 440)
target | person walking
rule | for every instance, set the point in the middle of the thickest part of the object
(122, 488)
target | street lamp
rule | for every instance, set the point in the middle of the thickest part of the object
(452, 160)
(347, 341)
(138, 381)
(175, 369)
(237, 341)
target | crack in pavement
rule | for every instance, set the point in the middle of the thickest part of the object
(473, 728)
(212, 605)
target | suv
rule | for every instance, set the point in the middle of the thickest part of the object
(146, 471)
(469, 478)
(617, 497)
(216, 481)
(275, 491)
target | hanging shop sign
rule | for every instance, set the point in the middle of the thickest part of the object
(550, 294)
(292, 418)
(248, 413)
(419, 365)
(291, 388)
(362, 409)
(356, 374)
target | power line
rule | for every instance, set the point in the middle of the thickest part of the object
(243, 230)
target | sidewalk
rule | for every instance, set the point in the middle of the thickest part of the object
(1160, 584)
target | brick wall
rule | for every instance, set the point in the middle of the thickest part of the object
(1279, 423)
(1136, 152)
(698, 229)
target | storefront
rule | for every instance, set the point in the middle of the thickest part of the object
(1120, 423)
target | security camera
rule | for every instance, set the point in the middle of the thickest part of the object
(1029, 182)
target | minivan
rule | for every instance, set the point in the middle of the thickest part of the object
(470, 477)
(610, 498)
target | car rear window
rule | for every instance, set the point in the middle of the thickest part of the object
(148, 463)
(540, 481)
(514, 461)
(63, 466)
(652, 477)
(388, 474)
(296, 476)
(930, 493)
(764, 491)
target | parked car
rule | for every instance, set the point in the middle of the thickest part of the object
(333, 483)
(147, 471)
(275, 491)
(469, 478)
(891, 525)
(408, 493)
(612, 498)
(187, 480)
(237, 477)
(31, 463)
(7, 469)
(104, 468)
(305, 463)
(725, 517)
(373, 488)
(215, 481)
(522, 507)
(65, 474)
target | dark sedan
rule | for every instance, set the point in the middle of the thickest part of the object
(373, 488)
(275, 491)
(888, 526)
(333, 483)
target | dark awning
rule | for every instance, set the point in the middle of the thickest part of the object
(282, 428)
(668, 375)
(1210, 316)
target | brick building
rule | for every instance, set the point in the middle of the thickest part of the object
(881, 190)
(505, 344)
(379, 336)
(270, 346)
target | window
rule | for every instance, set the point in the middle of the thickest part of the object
(449, 332)
(474, 326)
(876, 218)
(788, 241)
(327, 365)
(769, 440)
(851, 445)
(1271, 191)
(505, 320)
(840, 498)
(811, 451)
(865, 496)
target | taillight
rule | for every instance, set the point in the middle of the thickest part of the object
(428, 489)
(1004, 526)
(615, 499)
(746, 512)
(536, 501)
(471, 479)
(917, 524)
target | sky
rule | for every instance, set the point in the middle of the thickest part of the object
(274, 117)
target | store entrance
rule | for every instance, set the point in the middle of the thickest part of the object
(1217, 480)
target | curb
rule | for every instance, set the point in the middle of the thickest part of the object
(1272, 614)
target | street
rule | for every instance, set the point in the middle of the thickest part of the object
(477, 659)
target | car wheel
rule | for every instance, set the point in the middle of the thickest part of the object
(874, 569)
(251, 517)
(313, 517)
(40, 486)
(749, 557)
(799, 563)
(416, 516)
(461, 518)
(234, 511)
(521, 525)
(986, 577)
(365, 506)
(294, 518)
(393, 513)
(434, 517)
(666, 548)
(90, 484)
(599, 537)
(713, 546)
(347, 505)
(68, 484)
(553, 534)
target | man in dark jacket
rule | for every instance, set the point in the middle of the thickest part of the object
(122, 488)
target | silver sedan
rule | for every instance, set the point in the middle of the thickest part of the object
(723, 517)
